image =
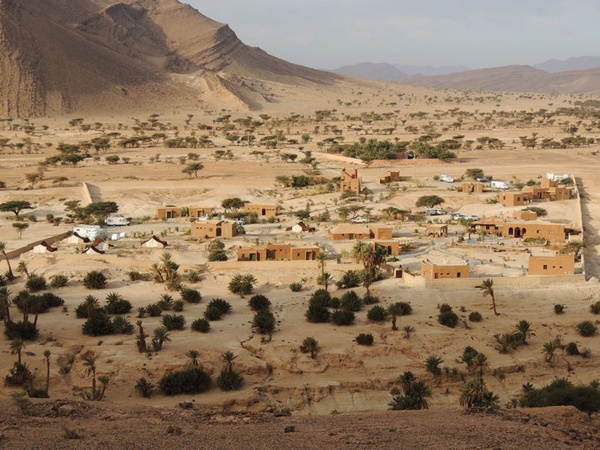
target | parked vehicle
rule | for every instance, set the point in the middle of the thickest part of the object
(457, 216)
(499, 184)
(115, 221)
(435, 212)
(360, 219)
(88, 231)
(447, 178)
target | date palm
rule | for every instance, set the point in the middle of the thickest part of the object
(9, 273)
(525, 330)
(193, 355)
(16, 348)
(228, 357)
(5, 304)
(47, 355)
(89, 362)
(394, 310)
(487, 288)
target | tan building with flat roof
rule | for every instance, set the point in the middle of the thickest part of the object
(262, 209)
(350, 181)
(350, 231)
(512, 198)
(277, 252)
(431, 271)
(381, 231)
(169, 212)
(203, 229)
(552, 265)
(553, 232)
(201, 211)
(392, 177)
(393, 247)
(525, 215)
(472, 188)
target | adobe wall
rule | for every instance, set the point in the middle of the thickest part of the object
(515, 283)
(49, 240)
(85, 193)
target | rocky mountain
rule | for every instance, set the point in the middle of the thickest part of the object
(60, 56)
(571, 64)
(372, 71)
(516, 79)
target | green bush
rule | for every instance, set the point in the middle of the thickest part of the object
(258, 302)
(406, 308)
(201, 325)
(220, 305)
(213, 313)
(571, 349)
(264, 322)
(98, 325)
(25, 331)
(115, 304)
(134, 276)
(342, 317)
(19, 375)
(36, 283)
(351, 301)
(448, 319)
(188, 381)
(364, 339)
(94, 280)
(178, 305)
(320, 297)
(173, 322)
(370, 299)
(121, 325)
(190, 295)
(595, 308)
(475, 316)
(296, 287)
(586, 328)
(444, 307)
(154, 310)
(559, 308)
(317, 314)
(350, 279)
(144, 388)
(230, 380)
(560, 393)
(377, 314)
(58, 281)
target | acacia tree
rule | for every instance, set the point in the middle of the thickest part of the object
(20, 227)
(487, 288)
(193, 168)
(15, 206)
(429, 201)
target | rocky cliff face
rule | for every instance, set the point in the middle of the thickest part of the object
(60, 56)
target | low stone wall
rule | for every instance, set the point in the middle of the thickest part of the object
(85, 193)
(520, 283)
(49, 240)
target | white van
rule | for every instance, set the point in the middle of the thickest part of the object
(447, 178)
(499, 184)
(115, 221)
(88, 231)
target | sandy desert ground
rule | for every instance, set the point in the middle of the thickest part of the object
(344, 377)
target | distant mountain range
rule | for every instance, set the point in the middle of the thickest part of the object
(394, 72)
(571, 76)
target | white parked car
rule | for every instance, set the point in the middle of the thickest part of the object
(499, 184)
(360, 219)
(447, 178)
(115, 221)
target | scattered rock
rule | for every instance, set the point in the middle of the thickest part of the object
(282, 412)
(174, 430)
(65, 410)
(289, 429)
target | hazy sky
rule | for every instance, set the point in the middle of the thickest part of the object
(475, 33)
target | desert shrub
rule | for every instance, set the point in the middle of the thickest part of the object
(230, 380)
(475, 316)
(571, 349)
(36, 283)
(98, 325)
(258, 302)
(94, 280)
(350, 279)
(377, 314)
(507, 342)
(201, 325)
(242, 284)
(320, 297)
(586, 328)
(296, 287)
(342, 317)
(405, 308)
(122, 325)
(25, 331)
(559, 308)
(310, 345)
(370, 299)
(448, 319)
(213, 313)
(51, 300)
(335, 303)
(190, 295)
(144, 388)
(154, 310)
(264, 322)
(134, 276)
(364, 339)
(193, 380)
(351, 301)
(595, 308)
(19, 375)
(193, 276)
(58, 281)
(178, 305)
(444, 307)
(218, 303)
(432, 365)
(173, 322)
(165, 302)
(317, 314)
(561, 393)
(115, 304)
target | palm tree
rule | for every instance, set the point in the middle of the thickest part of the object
(92, 305)
(472, 392)
(228, 358)
(9, 274)
(480, 362)
(22, 268)
(16, 348)
(321, 258)
(419, 393)
(89, 362)
(161, 335)
(525, 330)
(104, 380)
(325, 279)
(394, 310)
(548, 350)
(487, 288)
(193, 355)
(408, 330)
(5, 304)
(47, 361)
(406, 380)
